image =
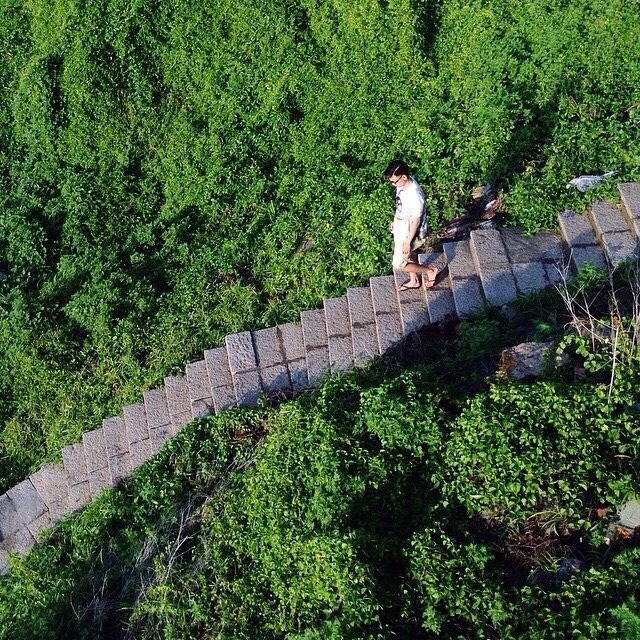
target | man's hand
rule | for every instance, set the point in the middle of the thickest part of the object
(406, 247)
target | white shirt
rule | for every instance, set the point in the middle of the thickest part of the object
(409, 205)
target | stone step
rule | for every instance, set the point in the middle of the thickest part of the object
(75, 465)
(349, 329)
(414, 313)
(95, 450)
(200, 394)
(272, 362)
(30, 508)
(118, 457)
(137, 433)
(440, 303)
(292, 341)
(580, 238)
(50, 481)
(613, 232)
(158, 418)
(316, 344)
(463, 277)
(220, 378)
(363, 326)
(14, 534)
(493, 267)
(178, 401)
(630, 196)
(244, 367)
(386, 309)
(339, 338)
(536, 261)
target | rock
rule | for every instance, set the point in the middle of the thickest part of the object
(626, 524)
(526, 360)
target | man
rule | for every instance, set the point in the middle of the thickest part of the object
(409, 213)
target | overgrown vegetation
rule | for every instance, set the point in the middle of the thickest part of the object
(395, 502)
(386, 505)
(172, 172)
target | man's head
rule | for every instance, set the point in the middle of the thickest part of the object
(397, 172)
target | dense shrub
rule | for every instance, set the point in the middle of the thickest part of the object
(379, 508)
(174, 172)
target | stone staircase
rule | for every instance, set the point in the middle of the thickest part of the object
(491, 268)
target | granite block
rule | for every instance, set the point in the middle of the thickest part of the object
(126, 465)
(365, 342)
(619, 246)
(27, 501)
(317, 364)
(360, 306)
(177, 392)
(499, 285)
(268, 347)
(59, 509)
(179, 420)
(10, 521)
(224, 397)
(576, 230)
(74, 463)
(389, 330)
(156, 408)
(592, 254)
(336, 311)
(218, 367)
(630, 195)
(135, 422)
(298, 374)
(79, 495)
(555, 272)
(115, 436)
(39, 524)
(487, 249)
(440, 301)
(203, 407)
(519, 248)
(459, 259)
(384, 294)
(530, 276)
(341, 352)
(467, 295)
(140, 452)
(248, 387)
(95, 449)
(119, 466)
(275, 378)
(50, 482)
(198, 380)
(98, 480)
(19, 542)
(607, 218)
(314, 329)
(158, 435)
(549, 246)
(242, 356)
(292, 341)
(415, 315)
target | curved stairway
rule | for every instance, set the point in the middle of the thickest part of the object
(492, 268)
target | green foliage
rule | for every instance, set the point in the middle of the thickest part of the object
(352, 518)
(175, 172)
